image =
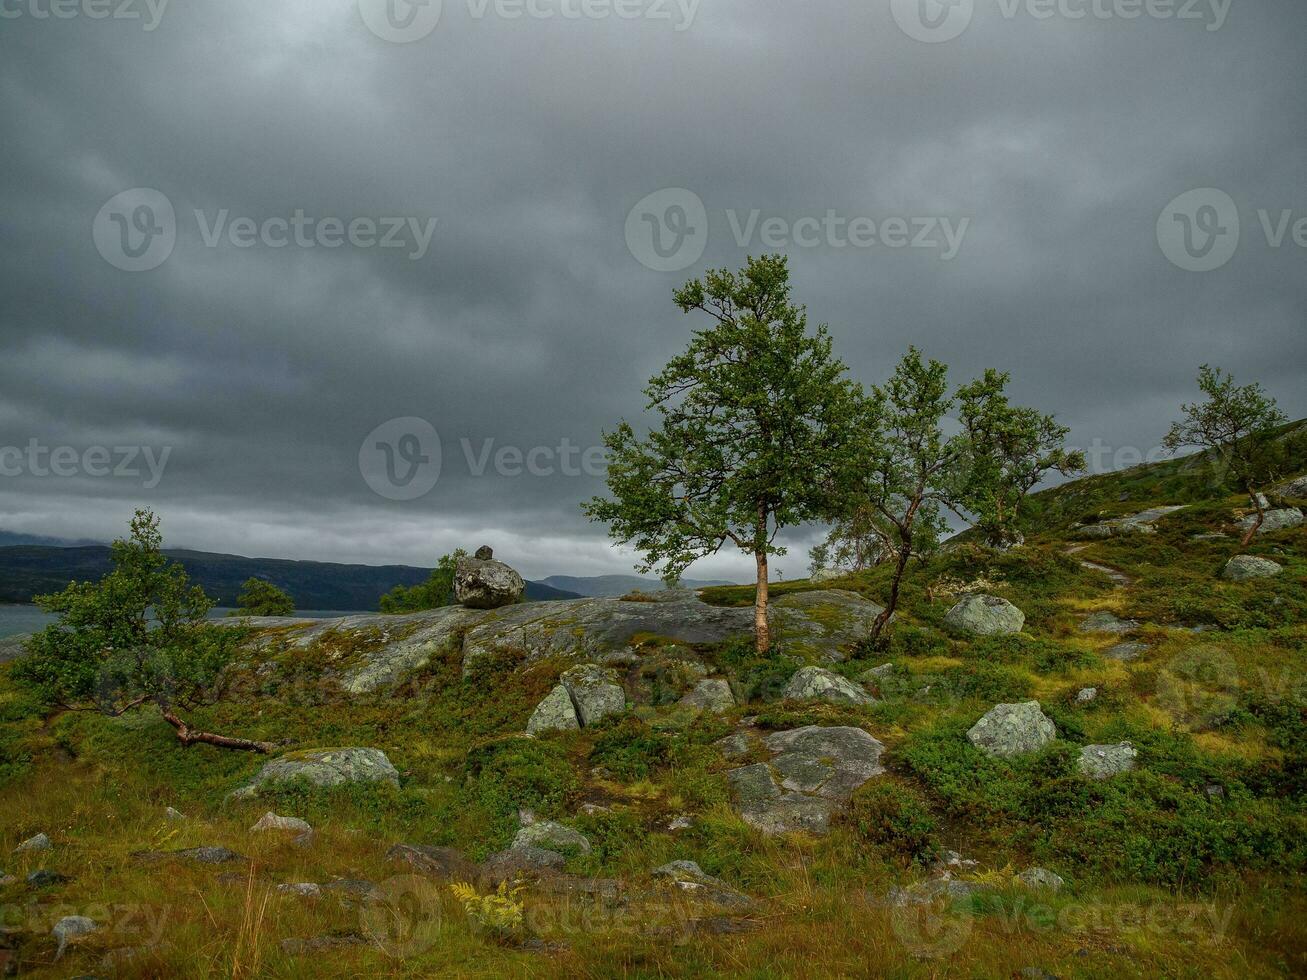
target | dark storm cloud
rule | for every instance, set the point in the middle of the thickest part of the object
(527, 320)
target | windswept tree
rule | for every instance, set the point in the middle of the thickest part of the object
(1237, 425)
(138, 636)
(436, 591)
(1012, 449)
(259, 597)
(857, 540)
(758, 426)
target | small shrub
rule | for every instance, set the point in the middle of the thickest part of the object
(896, 817)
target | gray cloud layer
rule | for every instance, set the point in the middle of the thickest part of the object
(528, 321)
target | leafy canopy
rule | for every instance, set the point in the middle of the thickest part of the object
(259, 597)
(436, 591)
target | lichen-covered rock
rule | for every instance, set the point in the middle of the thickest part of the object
(823, 624)
(1106, 622)
(1293, 488)
(1009, 730)
(520, 862)
(820, 684)
(486, 584)
(1126, 652)
(71, 928)
(552, 836)
(688, 877)
(325, 767)
(555, 713)
(1141, 523)
(1103, 761)
(985, 615)
(1086, 694)
(733, 746)
(270, 821)
(443, 863)
(594, 691)
(1041, 879)
(1243, 567)
(1274, 520)
(710, 694)
(41, 842)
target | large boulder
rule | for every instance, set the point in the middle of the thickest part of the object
(486, 584)
(1102, 761)
(555, 713)
(1273, 520)
(985, 615)
(1009, 730)
(1141, 523)
(551, 836)
(1243, 567)
(710, 694)
(1294, 488)
(594, 691)
(325, 767)
(820, 684)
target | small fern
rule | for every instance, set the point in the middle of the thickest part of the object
(500, 912)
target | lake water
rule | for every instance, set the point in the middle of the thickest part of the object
(29, 619)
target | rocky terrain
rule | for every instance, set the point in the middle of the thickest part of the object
(1068, 759)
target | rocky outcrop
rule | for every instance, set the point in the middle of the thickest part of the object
(483, 583)
(1293, 488)
(1103, 761)
(1041, 879)
(1106, 622)
(690, 879)
(985, 615)
(1141, 523)
(1274, 520)
(1240, 568)
(812, 773)
(551, 836)
(325, 767)
(594, 691)
(710, 694)
(1125, 652)
(820, 684)
(555, 713)
(1010, 730)
(441, 863)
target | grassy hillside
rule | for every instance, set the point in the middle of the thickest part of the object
(1191, 865)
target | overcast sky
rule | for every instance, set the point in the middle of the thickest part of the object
(1001, 198)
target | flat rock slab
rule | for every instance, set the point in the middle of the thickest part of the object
(1104, 761)
(811, 774)
(1106, 622)
(1141, 523)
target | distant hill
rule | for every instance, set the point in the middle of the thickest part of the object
(28, 570)
(13, 538)
(617, 585)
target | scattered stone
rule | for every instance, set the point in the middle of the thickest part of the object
(552, 836)
(876, 673)
(1105, 622)
(1102, 761)
(304, 889)
(1126, 652)
(1214, 791)
(41, 842)
(711, 694)
(1243, 567)
(1294, 488)
(820, 684)
(953, 861)
(688, 877)
(733, 746)
(931, 891)
(484, 553)
(555, 713)
(44, 878)
(520, 862)
(595, 692)
(681, 821)
(1274, 520)
(1141, 523)
(486, 584)
(443, 863)
(1041, 878)
(71, 928)
(207, 855)
(173, 814)
(985, 615)
(270, 821)
(1086, 694)
(325, 767)
(1009, 730)
(352, 892)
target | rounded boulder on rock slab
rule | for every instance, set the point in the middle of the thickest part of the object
(325, 767)
(986, 615)
(1103, 761)
(486, 584)
(820, 684)
(555, 713)
(594, 691)
(1009, 730)
(1240, 568)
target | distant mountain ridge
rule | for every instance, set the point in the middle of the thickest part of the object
(10, 539)
(599, 586)
(30, 570)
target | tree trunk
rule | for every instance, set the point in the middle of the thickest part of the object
(905, 553)
(1261, 515)
(761, 629)
(189, 736)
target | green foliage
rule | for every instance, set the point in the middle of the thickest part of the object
(523, 772)
(758, 424)
(260, 597)
(761, 677)
(894, 816)
(499, 912)
(139, 634)
(435, 592)
(629, 748)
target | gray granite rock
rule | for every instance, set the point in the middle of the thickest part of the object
(594, 691)
(548, 835)
(486, 584)
(1126, 652)
(1009, 730)
(985, 615)
(710, 694)
(40, 842)
(1274, 520)
(820, 684)
(1106, 622)
(1240, 568)
(1103, 761)
(1041, 879)
(324, 767)
(555, 713)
